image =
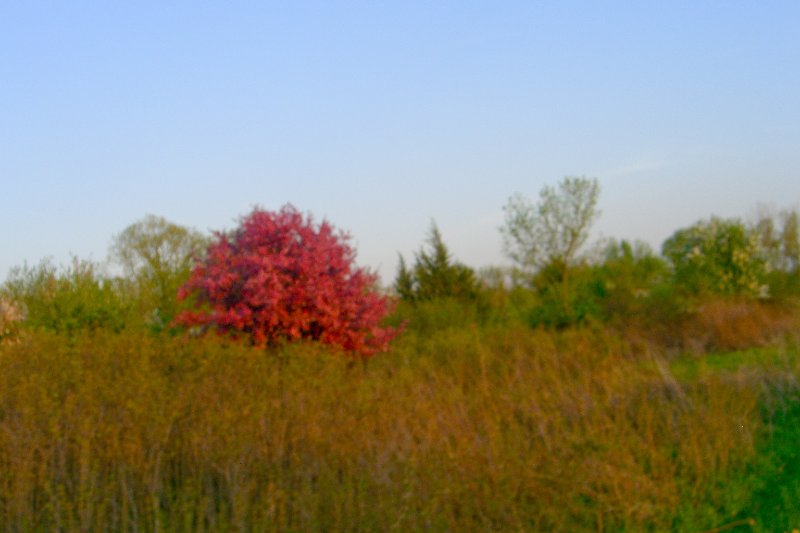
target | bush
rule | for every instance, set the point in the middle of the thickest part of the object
(69, 299)
(561, 303)
(281, 277)
(717, 256)
(630, 276)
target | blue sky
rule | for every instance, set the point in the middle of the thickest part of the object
(382, 117)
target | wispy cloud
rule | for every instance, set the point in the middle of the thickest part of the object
(633, 168)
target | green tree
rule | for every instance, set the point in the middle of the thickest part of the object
(790, 241)
(779, 237)
(404, 282)
(717, 256)
(769, 236)
(553, 230)
(435, 274)
(156, 256)
(545, 238)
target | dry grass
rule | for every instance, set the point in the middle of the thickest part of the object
(713, 325)
(462, 430)
(731, 324)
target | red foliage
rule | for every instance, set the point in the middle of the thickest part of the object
(279, 276)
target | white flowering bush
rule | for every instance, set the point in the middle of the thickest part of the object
(718, 256)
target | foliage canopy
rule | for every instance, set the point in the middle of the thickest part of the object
(280, 276)
(553, 230)
(67, 300)
(717, 256)
(156, 256)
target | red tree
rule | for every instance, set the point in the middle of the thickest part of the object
(280, 276)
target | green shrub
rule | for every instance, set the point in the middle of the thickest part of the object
(69, 299)
(562, 304)
(717, 256)
(630, 273)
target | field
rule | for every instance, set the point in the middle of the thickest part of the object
(465, 428)
(268, 384)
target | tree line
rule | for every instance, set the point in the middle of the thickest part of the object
(281, 277)
(567, 284)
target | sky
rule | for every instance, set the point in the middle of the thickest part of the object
(381, 117)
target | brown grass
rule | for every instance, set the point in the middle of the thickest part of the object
(463, 430)
(721, 324)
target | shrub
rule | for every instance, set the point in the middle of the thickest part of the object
(629, 275)
(717, 256)
(281, 277)
(563, 302)
(505, 296)
(68, 299)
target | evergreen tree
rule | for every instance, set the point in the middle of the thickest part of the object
(435, 274)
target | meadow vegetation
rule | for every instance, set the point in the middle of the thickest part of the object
(617, 389)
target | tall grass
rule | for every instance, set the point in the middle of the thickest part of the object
(462, 429)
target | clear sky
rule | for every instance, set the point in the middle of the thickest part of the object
(382, 116)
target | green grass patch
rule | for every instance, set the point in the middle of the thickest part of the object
(764, 494)
(691, 367)
(774, 504)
